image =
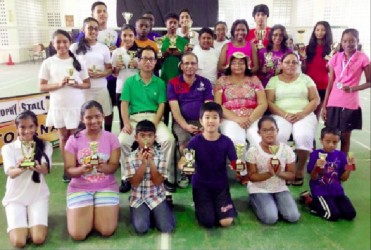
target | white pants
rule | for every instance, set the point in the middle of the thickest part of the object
(102, 96)
(303, 131)
(21, 216)
(239, 135)
(163, 136)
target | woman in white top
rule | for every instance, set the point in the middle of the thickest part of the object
(270, 165)
(207, 55)
(123, 66)
(64, 78)
(220, 31)
(27, 195)
(97, 59)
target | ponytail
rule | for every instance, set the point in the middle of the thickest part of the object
(83, 46)
(39, 154)
(76, 63)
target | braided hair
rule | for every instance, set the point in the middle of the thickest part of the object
(76, 63)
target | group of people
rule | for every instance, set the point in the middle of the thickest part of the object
(220, 93)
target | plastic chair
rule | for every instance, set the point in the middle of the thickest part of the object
(37, 52)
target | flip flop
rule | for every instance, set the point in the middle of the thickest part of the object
(299, 181)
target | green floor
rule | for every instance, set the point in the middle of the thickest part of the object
(247, 233)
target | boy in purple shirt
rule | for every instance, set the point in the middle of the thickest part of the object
(329, 167)
(210, 188)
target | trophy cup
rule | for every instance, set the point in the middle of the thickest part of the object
(94, 158)
(240, 150)
(127, 16)
(108, 40)
(260, 34)
(190, 35)
(158, 41)
(274, 161)
(70, 79)
(301, 45)
(189, 155)
(334, 48)
(94, 69)
(28, 152)
(322, 157)
(132, 54)
(120, 60)
(145, 148)
(173, 43)
(351, 166)
(269, 60)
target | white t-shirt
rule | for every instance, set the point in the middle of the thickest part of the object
(257, 156)
(54, 70)
(22, 189)
(219, 45)
(124, 72)
(207, 63)
(98, 55)
(194, 39)
(108, 37)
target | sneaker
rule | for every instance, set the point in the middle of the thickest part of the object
(65, 178)
(125, 186)
(305, 197)
(183, 182)
(170, 187)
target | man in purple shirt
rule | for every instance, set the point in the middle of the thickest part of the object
(151, 35)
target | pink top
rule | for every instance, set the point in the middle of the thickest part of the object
(239, 98)
(92, 182)
(349, 74)
(246, 50)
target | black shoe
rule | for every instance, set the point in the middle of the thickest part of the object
(125, 186)
(65, 178)
(170, 187)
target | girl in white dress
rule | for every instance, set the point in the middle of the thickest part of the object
(27, 195)
(96, 57)
(64, 78)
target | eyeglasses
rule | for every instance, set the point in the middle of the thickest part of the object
(148, 59)
(264, 130)
(90, 28)
(237, 63)
(292, 62)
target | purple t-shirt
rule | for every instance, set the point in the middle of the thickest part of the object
(152, 35)
(211, 161)
(191, 98)
(328, 182)
(92, 182)
(274, 57)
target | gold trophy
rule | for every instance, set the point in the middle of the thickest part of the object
(173, 42)
(260, 34)
(94, 69)
(127, 16)
(94, 158)
(120, 60)
(269, 60)
(351, 166)
(301, 46)
(158, 41)
(190, 35)
(132, 54)
(189, 167)
(70, 79)
(334, 48)
(240, 163)
(274, 161)
(28, 152)
(108, 40)
(145, 148)
(322, 157)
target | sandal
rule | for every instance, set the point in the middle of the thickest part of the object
(299, 181)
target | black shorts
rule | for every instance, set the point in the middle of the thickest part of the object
(344, 119)
(218, 200)
(322, 93)
(111, 86)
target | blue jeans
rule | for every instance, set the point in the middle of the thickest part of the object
(267, 206)
(162, 215)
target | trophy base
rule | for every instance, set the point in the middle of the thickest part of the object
(189, 170)
(131, 67)
(70, 81)
(94, 161)
(275, 162)
(327, 58)
(27, 164)
(159, 55)
(240, 167)
(173, 48)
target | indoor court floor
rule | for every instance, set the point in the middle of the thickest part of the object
(310, 232)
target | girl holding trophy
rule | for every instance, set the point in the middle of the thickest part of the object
(341, 107)
(63, 77)
(270, 165)
(26, 161)
(121, 60)
(315, 65)
(96, 57)
(91, 159)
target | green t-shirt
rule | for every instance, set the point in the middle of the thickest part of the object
(169, 67)
(291, 97)
(143, 97)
